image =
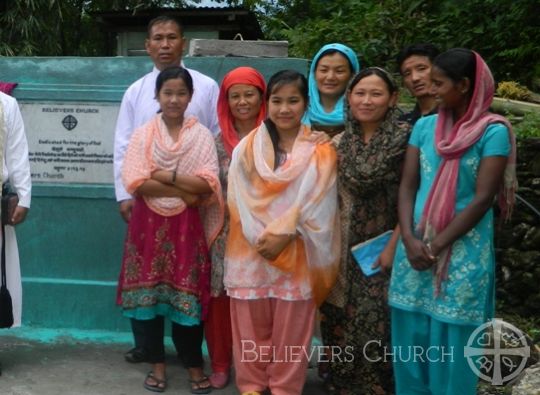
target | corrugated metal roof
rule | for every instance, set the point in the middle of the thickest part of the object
(208, 4)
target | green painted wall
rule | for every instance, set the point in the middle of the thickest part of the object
(71, 243)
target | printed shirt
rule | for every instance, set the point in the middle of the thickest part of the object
(467, 295)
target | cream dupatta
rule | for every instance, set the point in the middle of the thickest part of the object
(297, 198)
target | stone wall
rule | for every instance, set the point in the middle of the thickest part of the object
(518, 242)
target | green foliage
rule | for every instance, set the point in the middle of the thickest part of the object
(529, 325)
(529, 126)
(60, 27)
(512, 90)
(374, 29)
(505, 32)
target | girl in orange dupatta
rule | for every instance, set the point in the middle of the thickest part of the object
(170, 163)
(241, 108)
(283, 245)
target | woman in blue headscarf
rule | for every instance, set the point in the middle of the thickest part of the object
(330, 72)
(331, 69)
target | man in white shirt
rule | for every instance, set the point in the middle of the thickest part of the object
(164, 44)
(16, 170)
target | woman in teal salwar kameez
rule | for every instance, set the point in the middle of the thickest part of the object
(442, 284)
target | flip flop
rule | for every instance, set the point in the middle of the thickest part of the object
(159, 386)
(199, 389)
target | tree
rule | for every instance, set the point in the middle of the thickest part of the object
(505, 32)
(61, 27)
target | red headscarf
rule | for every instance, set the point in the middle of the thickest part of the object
(240, 75)
(452, 140)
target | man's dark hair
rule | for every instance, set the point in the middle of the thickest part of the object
(420, 49)
(164, 19)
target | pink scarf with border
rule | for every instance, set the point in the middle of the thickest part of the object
(151, 148)
(452, 141)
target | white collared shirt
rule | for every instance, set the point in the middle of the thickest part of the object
(16, 166)
(139, 106)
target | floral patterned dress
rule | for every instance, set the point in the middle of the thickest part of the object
(356, 316)
(166, 267)
(217, 251)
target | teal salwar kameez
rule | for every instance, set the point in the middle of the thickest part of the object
(428, 355)
(466, 300)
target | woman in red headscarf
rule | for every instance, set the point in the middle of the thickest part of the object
(241, 108)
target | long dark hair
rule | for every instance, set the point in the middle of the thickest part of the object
(172, 73)
(379, 72)
(279, 79)
(458, 64)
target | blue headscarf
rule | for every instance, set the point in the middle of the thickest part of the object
(316, 113)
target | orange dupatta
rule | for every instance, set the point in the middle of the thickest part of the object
(298, 198)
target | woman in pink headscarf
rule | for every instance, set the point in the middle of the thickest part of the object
(442, 283)
(241, 108)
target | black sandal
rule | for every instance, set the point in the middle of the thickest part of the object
(159, 386)
(136, 355)
(196, 387)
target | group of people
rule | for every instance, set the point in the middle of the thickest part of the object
(243, 202)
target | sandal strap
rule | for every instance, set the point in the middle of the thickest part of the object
(194, 381)
(197, 388)
(153, 376)
(160, 383)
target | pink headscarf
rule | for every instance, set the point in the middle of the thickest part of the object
(240, 75)
(452, 141)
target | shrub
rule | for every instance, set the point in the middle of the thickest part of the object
(529, 126)
(513, 90)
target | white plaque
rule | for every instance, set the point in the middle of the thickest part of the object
(70, 142)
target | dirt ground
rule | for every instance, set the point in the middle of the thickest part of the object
(71, 366)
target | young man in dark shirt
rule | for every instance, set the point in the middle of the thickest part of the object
(414, 64)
